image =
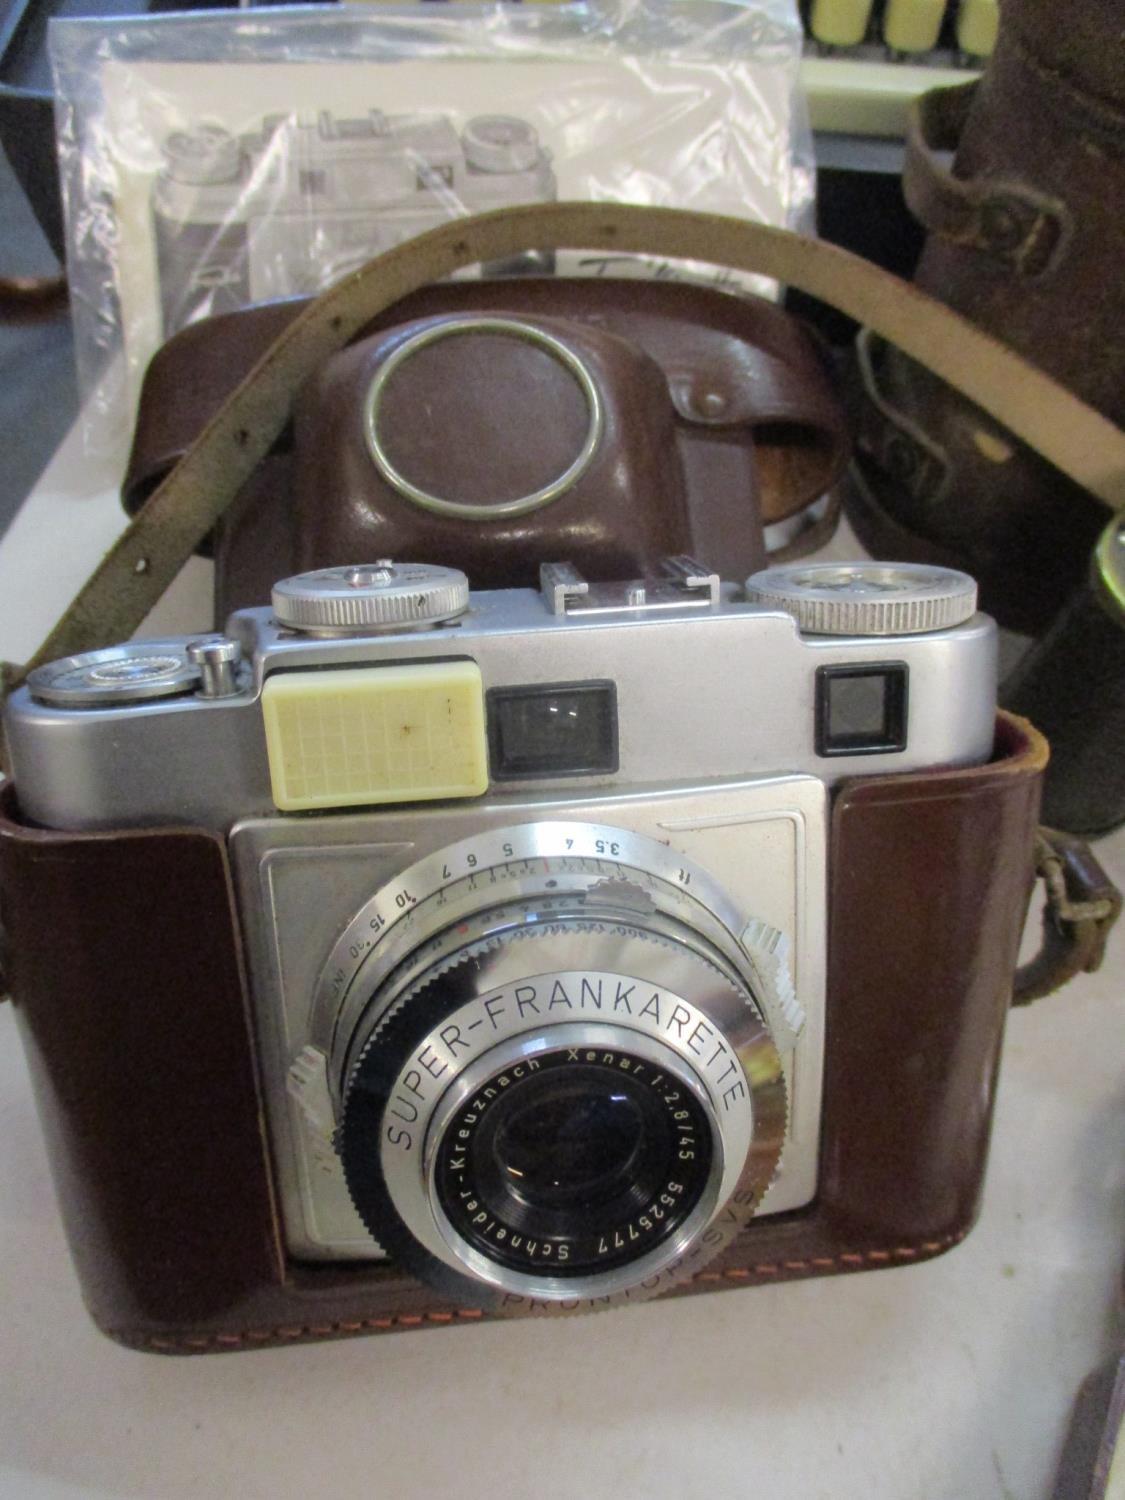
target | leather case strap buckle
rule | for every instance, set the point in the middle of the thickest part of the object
(1021, 229)
(1081, 906)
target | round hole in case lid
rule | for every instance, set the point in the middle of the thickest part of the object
(479, 379)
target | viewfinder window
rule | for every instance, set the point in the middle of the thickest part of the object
(861, 710)
(556, 729)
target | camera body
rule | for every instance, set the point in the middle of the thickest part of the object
(287, 210)
(569, 967)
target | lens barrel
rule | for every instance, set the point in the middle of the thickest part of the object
(570, 1104)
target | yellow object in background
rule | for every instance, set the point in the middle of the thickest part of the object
(978, 24)
(519, 2)
(359, 736)
(840, 23)
(913, 25)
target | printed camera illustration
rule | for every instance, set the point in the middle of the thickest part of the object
(286, 210)
(418, 955)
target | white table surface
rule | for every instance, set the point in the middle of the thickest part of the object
(951, 1380)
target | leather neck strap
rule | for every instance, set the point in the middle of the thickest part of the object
(179, 514)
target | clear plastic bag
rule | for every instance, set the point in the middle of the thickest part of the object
(211, 160)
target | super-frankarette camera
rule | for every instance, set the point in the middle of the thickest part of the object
(532, 888)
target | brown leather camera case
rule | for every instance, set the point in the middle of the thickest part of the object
(719, 416)
(128, 978)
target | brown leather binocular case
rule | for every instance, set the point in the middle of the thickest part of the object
(1024, 236)
(125, 952)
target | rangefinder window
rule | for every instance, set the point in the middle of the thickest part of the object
(552, 729)
(861, 710)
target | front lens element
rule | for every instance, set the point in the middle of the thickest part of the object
(558, 1145)
(574, 1161)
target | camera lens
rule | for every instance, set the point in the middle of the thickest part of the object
(569, 1143)
(559, 1086)
(586, 1160)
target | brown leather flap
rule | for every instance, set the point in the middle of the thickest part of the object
(930, 881)
(732, 364)
(126, 976)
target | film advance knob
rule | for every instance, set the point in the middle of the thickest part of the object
(866, 598)
(382, 595)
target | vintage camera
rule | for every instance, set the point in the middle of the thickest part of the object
(287, 210)
(406, 955)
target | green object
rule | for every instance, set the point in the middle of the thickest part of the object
(1109, 567)
(859, 95)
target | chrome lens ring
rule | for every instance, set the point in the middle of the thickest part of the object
(612, 1047)
(512, 999)
(520, 505)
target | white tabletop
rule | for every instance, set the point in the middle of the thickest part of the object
(951, 1380)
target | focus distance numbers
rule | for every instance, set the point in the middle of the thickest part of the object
(528, 860)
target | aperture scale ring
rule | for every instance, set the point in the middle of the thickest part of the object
(370, 945)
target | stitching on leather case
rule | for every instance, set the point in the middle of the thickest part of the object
(843, 1261)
